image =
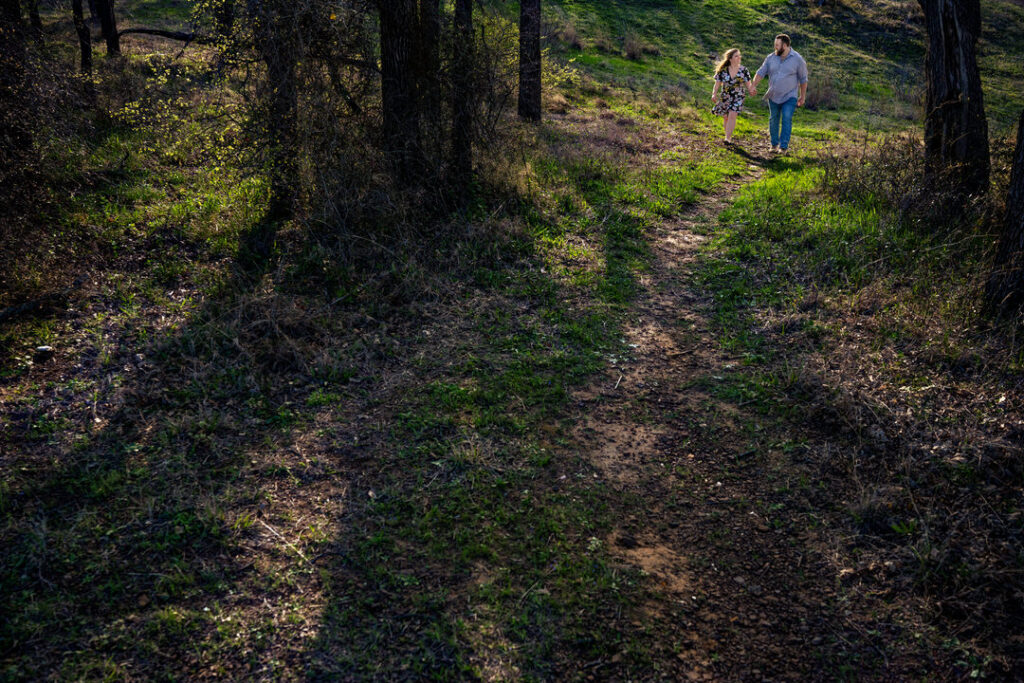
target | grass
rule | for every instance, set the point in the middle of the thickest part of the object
(335, 470)
(868, 51)
(849, 315)
(216, 389)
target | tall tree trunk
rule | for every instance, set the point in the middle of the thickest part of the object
(429, 60)
(529, 60)
(224, 15)
(15, 135)
(108, 26)
(84, 36)
(94, 14)
(955, 129)
(1006, 283)
(398, 30)
(278, 45)
(35, 20)
(462, 98)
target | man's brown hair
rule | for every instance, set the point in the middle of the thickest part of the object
(784, 38)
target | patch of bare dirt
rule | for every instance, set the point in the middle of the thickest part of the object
(745, 580)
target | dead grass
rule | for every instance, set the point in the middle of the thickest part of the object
(915, 402)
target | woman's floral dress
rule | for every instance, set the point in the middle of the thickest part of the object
(734, 89)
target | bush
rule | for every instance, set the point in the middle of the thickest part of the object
(52, 106)
(823, 92)
(635, 49)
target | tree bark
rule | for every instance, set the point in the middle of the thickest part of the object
(35, 20)
(172, 35)
(15, 135)
(429, 61)
(84, 36)
(398, 28)
(108, 26)
(1006, 283)
(462, 99)
(955, 129)
(277, 43)
(225, 18)
(529, 60)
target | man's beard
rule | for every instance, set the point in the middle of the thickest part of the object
(780, 51)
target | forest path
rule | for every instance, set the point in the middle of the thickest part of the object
(741, 584)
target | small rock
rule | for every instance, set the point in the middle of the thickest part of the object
(43, 354)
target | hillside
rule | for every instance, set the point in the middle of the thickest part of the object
(650, 407)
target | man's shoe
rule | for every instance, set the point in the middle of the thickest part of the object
(783, 151)
(775, 149)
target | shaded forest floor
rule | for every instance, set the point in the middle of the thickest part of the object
(584, 447)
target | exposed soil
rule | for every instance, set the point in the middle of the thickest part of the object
(753, 570)
(746, 581)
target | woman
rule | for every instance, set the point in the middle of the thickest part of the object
(733, 80)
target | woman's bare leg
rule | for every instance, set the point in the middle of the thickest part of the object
(730, 125)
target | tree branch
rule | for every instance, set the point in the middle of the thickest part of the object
(173, 35)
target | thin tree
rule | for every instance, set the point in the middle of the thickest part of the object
(429, 60)
(1006, 284)
(35, 21)
(108, 26)
(224, 14)
(276, 34)
(15, 136)
(462, 98)
(84, 36)
(399, 21)
(955, 129)
(529, 60)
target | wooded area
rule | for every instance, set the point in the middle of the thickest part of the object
(404, 339)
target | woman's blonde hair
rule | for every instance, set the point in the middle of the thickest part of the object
(724, 64)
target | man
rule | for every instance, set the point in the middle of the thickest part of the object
(786, 72)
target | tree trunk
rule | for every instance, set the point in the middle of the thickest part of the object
(955, 129)
(1006, 283)
(398, 24)
(429, 60)
(15, 135)
(84, 36)
(278, 45)
(108, 26)
(35, 20)
(225, 18)
(462, 99)
(529, 60)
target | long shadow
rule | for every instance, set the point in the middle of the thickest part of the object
(460, 555)
(905, 486)
(130, 493)
(463, 550)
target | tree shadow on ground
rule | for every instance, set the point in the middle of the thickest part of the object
(135, 499)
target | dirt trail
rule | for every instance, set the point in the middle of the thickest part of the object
(742, 588)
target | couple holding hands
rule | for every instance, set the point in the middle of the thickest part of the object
(786, 72)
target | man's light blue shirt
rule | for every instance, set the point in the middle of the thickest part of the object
(784, 75)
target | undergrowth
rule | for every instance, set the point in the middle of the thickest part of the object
(853, 297)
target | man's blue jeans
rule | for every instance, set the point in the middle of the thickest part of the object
(781, 113)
